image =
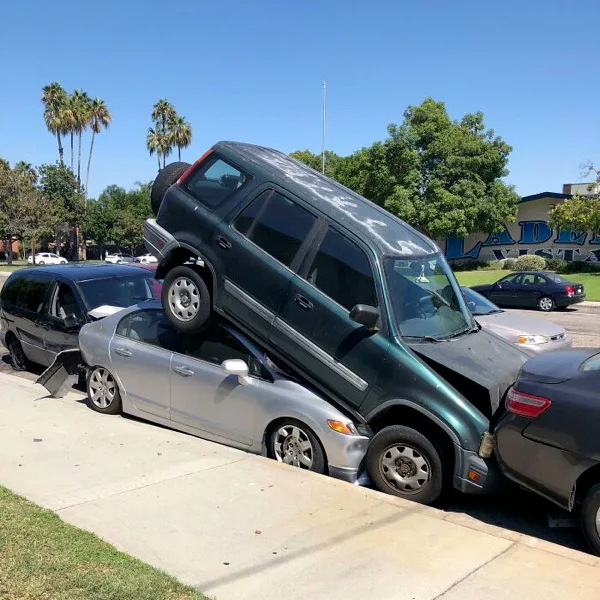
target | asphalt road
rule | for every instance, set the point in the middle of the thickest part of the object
(515, 509)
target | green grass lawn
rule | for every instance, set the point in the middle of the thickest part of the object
(590, 281)
(43, 558)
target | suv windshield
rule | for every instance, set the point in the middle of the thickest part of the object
(425, 298)
(478, 304)
(118, 291)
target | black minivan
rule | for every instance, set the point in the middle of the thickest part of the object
(42, 309)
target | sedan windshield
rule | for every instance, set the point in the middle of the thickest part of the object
(478, 304)
(425, 298)
(118, 291)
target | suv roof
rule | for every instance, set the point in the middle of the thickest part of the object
(85, 272)
(389, 234)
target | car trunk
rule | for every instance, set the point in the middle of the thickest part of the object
(481, 366)
(556, 367)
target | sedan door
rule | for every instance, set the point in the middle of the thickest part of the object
(504, 291)
(141, 351)
(206, 398)
(528, 290)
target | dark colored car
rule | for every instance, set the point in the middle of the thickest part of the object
(347, 296)
(42, 310)
(531, 289)
(548, 439)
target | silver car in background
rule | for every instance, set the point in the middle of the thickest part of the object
(530, 333)
(216, 385)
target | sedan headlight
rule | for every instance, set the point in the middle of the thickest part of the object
(533, 339)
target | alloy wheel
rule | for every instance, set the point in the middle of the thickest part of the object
(292, 446)
(184, 299)
(102, 388)
(405, 468)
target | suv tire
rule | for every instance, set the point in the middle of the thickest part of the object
(164, 180)
(401, 461)
(186, 300)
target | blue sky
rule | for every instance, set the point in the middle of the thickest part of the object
(253, 71)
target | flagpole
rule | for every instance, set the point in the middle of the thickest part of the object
(323, 136)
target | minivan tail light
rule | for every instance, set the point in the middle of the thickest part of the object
(186, 173)
(526, 405)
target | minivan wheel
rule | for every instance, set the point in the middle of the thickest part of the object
(103, 392)
(164, 180)
(293, 443)
(403, 462)
(546, 304)
(590, 518)
(17, 355)
(186, 300)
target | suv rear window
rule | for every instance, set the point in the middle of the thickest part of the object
(214, 181)
(275, 224)
(10, 290)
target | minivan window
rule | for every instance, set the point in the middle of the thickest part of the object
(275, 224)
(425, 298)
(33, 293)
(341, 270)
(214, 181)
(10, 290)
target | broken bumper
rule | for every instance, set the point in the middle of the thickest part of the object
(63, 373)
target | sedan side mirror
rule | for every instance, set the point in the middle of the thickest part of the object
(365, 315)
(238, 368)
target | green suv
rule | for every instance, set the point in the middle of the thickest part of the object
(351, 299)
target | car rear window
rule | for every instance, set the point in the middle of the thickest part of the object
(214, 181)
(118, 291)
(591, 364)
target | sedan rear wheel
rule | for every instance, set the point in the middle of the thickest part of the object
(295, 444)
(590, 518)
(103, 391)
(546, 304)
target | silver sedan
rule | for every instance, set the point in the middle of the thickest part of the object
(219, 386)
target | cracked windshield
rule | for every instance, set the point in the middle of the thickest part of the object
(425, 298)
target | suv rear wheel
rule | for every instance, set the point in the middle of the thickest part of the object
(164, 180)
(186, 300)
(403, 462)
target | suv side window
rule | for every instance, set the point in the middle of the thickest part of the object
(214, 181)
(10, 291)
(33, 294)
(149, 327)
(342, 271)
(275, 224)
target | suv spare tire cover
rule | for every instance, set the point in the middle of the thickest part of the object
(164, 180)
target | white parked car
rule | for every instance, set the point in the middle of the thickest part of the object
(146, 259)
(47, 258)
(117, 259)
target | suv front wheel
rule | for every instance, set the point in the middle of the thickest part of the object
(186, 300)
(403, 462)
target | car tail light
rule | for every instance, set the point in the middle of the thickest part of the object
(569, 290)
(186, 173)
(526, 405)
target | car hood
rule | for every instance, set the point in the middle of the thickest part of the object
(519, 324)
(484, 359)
(556, 367)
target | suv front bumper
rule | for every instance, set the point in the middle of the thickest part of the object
(476, 475)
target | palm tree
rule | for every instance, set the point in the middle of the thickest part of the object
(54, 99)
(153, 143)
(68, 123)
(99, 118)
(82, 107)
(180, 133)
(162, 114)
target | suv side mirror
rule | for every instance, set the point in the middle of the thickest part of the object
(365, 315)
(71, 321)
(238, 368)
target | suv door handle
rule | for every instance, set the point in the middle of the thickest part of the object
(183, 371)
(303, 303)
(123, 352)
(225, 244)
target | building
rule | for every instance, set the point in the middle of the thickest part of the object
(530, 234)
(4, 244)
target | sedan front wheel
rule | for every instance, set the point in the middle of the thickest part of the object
(295, 444)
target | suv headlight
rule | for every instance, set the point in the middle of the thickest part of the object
(533, 339)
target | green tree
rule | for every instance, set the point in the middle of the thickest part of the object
(99, 118)
(54, 99)
(162, 114)
(180, 133)
(315, 161)
(153, 143)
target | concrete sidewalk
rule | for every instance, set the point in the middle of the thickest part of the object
(240, 527)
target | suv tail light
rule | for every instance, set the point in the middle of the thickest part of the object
(526, 405)
(569, 290)
(186, 173)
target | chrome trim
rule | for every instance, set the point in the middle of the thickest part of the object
(317, 352)
(249, 301)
